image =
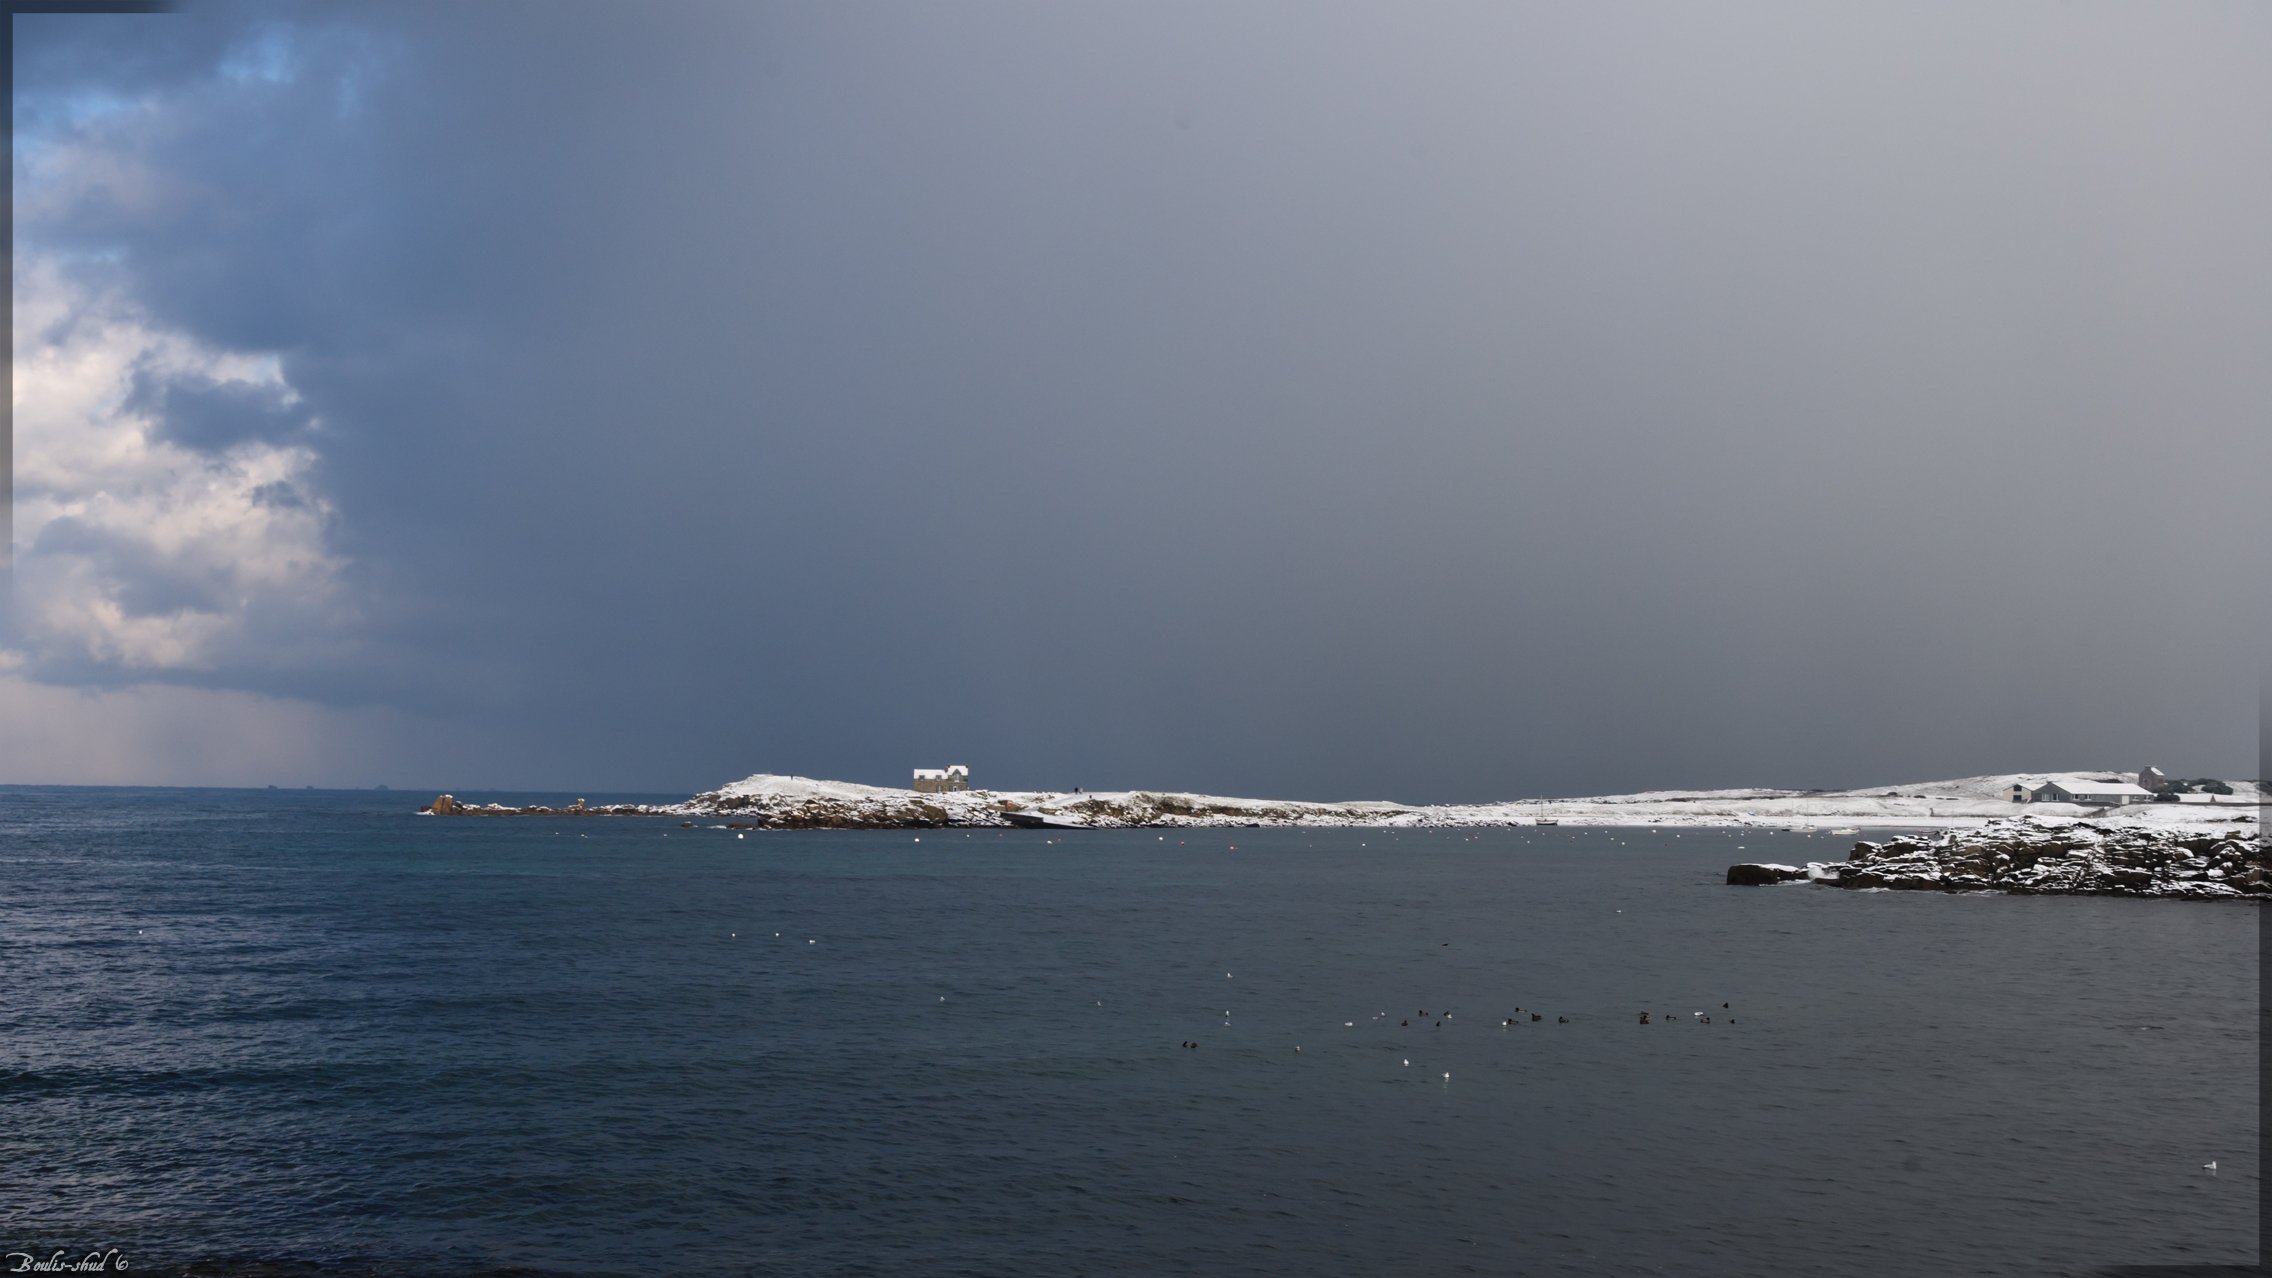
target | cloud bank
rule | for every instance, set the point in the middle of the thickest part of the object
(1451, 403)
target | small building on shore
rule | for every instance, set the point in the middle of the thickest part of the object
(2081, 789)
(947, 780)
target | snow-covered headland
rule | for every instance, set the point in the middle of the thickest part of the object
(783, 802)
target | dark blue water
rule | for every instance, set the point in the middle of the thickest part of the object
(292, 1028)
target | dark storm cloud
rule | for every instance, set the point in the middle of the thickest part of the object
(1420, 403)
(207, 413)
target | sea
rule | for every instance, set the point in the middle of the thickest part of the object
(299, 1032)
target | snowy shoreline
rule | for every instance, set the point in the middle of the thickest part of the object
(767, 801)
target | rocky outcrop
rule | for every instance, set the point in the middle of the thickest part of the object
(1761, 875)
(446, 805)
(2026, 858)
(796, 804)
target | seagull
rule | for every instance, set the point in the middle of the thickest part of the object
(2210, 1167)
(1408, 1064)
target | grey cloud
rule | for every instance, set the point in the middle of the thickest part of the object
(150, 583)
(208, 414)
(1418, 403)
(279, 495)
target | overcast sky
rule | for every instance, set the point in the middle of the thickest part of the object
(1427, 402)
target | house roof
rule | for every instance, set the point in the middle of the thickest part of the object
(2092, 785)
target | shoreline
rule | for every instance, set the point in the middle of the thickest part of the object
(801, 803)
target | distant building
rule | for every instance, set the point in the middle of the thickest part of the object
(2152, 779)
(2078, 789)
(946, 780)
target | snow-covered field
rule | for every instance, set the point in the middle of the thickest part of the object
(801, 801)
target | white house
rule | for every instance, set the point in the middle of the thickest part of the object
(2083, 789)
(955, 776)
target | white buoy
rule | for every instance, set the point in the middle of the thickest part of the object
(1408, 1064)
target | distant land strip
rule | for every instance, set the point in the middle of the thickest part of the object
(771, 802)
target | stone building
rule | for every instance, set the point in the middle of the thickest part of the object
(953, 777)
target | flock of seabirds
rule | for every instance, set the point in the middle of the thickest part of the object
(1667, 1018)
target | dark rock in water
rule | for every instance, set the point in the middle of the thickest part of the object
(1759, 875)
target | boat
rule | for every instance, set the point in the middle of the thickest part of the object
(1547, 821)
(1848, 830)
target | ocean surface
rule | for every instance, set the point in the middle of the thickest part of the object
(265, 1031)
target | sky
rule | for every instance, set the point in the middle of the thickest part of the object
(1426, 402)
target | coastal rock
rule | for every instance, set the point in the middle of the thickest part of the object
(1759, 875)
(2023, 858)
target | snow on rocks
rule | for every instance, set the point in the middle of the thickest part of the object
(2025, 857)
